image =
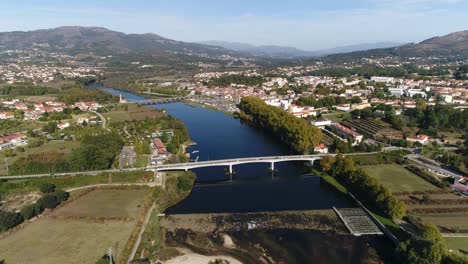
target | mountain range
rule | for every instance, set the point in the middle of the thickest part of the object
(102, 41)
(286, 52)
(453, 45)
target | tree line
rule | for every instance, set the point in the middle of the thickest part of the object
(297, 133)
(50, 199)
(227, 80)
(26, 89)
(363, 186)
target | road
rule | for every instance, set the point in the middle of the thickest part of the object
(441, 171)
(103, 119)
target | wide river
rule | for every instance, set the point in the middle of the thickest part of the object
(220, 136)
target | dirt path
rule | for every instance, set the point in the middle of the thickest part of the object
(149, 184)
(137, 242)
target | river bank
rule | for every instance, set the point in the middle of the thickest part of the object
(325, 220)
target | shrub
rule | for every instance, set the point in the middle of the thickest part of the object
(28, 212)
(48, 201)
(9, 220)
(185, 182)
(47, 187)
(61, 195)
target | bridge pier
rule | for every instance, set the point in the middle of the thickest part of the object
(230, 172)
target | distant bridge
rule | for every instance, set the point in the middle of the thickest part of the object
(161, 101)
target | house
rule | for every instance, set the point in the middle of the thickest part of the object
(460, 185)
(63, 125)
(413, 92)
(32, 114)
(343, 107)
(7, 115)
(360, 106)
(346, 133)
(397, 92)
(321, 123)
(13, 140)
(423, 139)
(322, 149)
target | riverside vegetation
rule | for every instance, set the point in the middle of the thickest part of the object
(297, 133)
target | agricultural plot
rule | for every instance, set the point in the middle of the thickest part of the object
(457, 243)
(133, 112)
(397, 178)
(372, 128)
(79, 232)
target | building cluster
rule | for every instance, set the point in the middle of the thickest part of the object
(159, 153)
(34, 110)
(14, 73)
(13, 140)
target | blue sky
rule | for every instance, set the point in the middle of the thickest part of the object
(306, 24)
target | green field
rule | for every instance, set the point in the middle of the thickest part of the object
(457, 243)
(337, 116)
(397, 178)
(78, 240)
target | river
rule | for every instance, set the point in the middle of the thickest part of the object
(253, 189)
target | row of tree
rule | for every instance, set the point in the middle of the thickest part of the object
(438, 116)
(227, 80)
(26, 89)
(51, 198)
(297, 133)
(363, 186)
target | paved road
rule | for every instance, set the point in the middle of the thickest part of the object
(103, 119)
(441, 171)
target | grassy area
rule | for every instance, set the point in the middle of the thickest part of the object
(124, 203)
(153, 239)
(337, 116)
(397, 178)
(77, 240)
(30, 185)
(457, 243)
(60, 146)
(448, 221)
(131, 112)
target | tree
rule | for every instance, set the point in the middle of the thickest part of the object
(48, 201)
(427, 247)
(9, 220)
(61, 195)
(50, 127)
(47, 187)
(356, 100)
(28, 211)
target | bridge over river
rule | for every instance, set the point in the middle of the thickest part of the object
(191, 165)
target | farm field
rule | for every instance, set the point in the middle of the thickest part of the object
(112, 203)
(84, 236)
(60, 146)
(372, 128)
(457, 243)
(134, 112)
(397, 178)
(337, 116)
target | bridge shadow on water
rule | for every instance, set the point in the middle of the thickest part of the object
(254, 189)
